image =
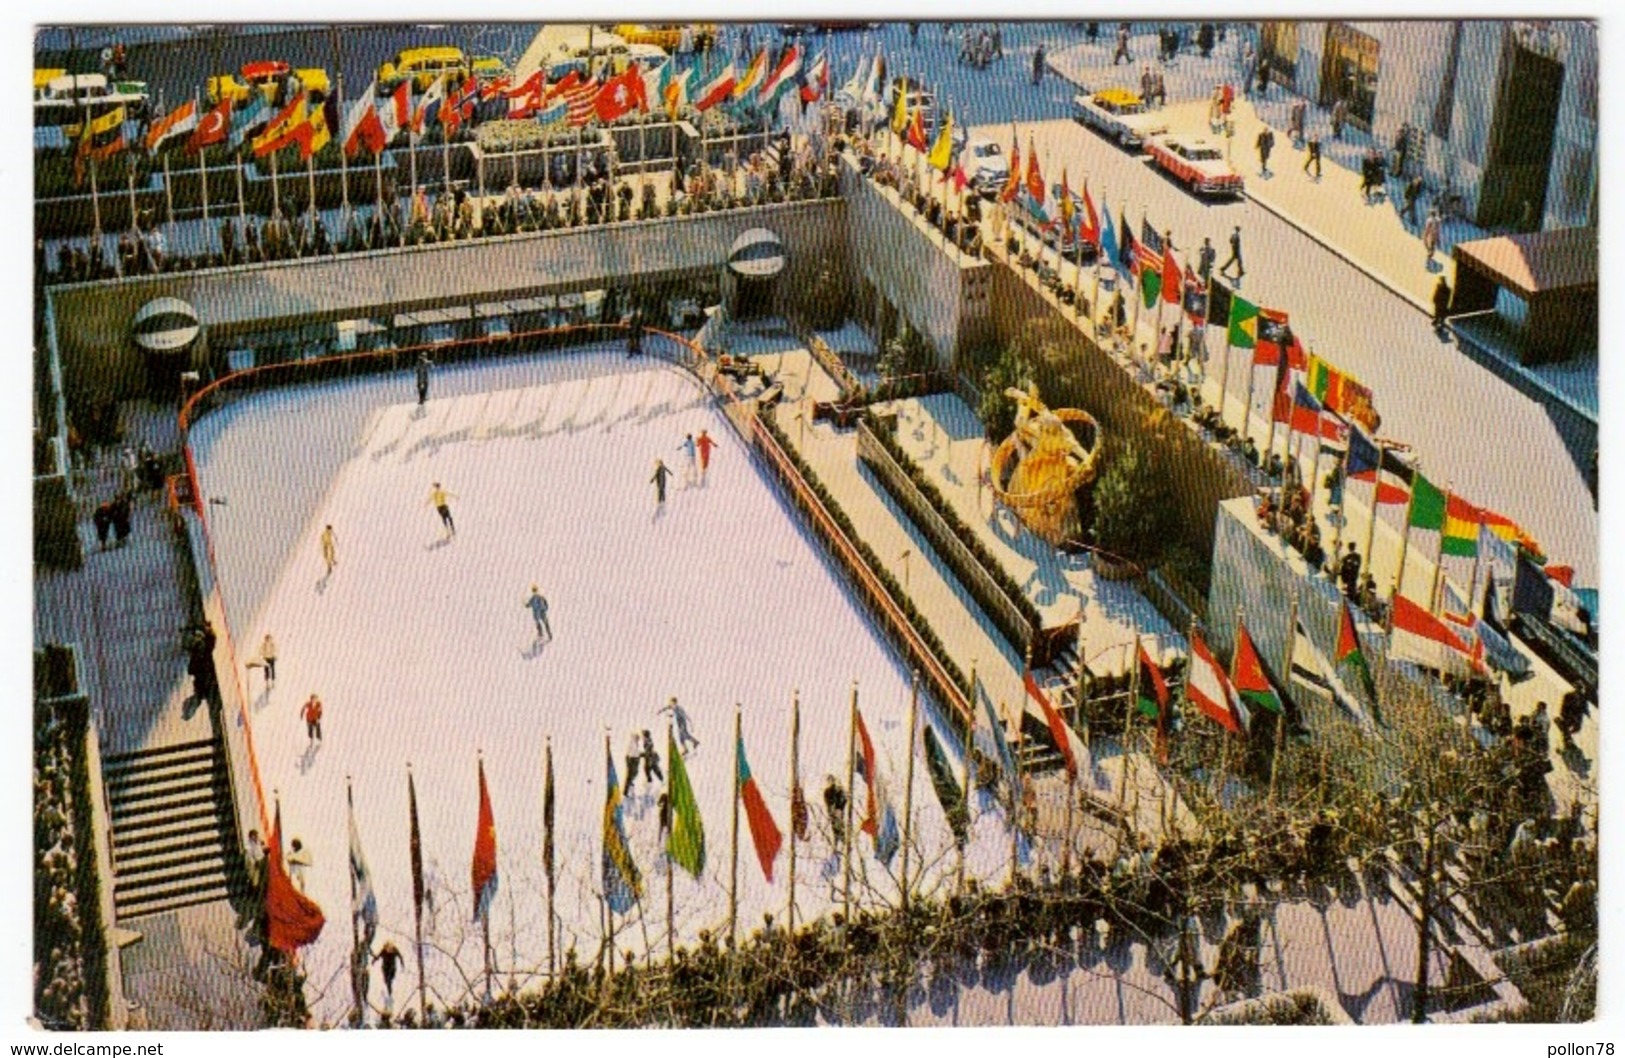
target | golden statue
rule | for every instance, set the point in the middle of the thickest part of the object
(1038, 469)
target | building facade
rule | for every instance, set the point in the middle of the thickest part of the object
(1502, 112)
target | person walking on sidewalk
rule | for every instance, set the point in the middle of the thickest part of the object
(1430, 233)
(330, 549)
(440, 499)
(1295, 120)
(1122, 55)
(1235, 255)
(1266, 144)
(537, 604)
(1413, 192)
(423, 377)
(1441, 303)
(1340, 114)
(1313, 143)
(1205, 256)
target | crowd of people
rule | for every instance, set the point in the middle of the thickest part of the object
(59, 970)
(961, 225)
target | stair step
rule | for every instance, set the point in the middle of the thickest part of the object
(116, 759)
(182, 864)
(204, 796)
(144, 830)
(134, 771)
(141, 783)
(128, 862)
(180, 786)
(203, 892)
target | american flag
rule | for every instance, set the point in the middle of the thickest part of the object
(580, 100)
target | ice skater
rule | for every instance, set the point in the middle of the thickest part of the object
(424, 363)
(685, 737)
(268, 656)
(634, 753)
(690, 468)
(651, 760)
(705, 444)
(538, 610)
(440, 499)
(312, 714)
(390, 957)
(299, 863)
(662, 475)
(330, 549)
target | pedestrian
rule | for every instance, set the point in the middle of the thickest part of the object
(1314, 155)
(268, 655)
(1348, 571)
(662, 474)
(1340, 114)
(996, 41)
(690, 466)
(1038, 64)
(634, 753)
(1402, 148)
(1430, 233)
(299, 863)
(423, 378)
(254, 860)
(913, 33)
(1146, 83)
(1122, 54)
(1266, 144)
(312, 715)
(538, 611)
(685, 736)
(1413, 192)
(440, 499)
(634, 333)
(104, 522)
(1441, 302)
(1204, 39)
(704, 444)
(835, 805)
(330, 549)
(1295, 120)
(1235, 255)
(1204, 261)
(120, 514)
(389, 957)
(651, 759)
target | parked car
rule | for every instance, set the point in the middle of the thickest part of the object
(59, 97)
(1121, 115)
(987, 167)
(425, 66)
(667, 35)
(271, 79)
(1197, 163)
(647, 56)
(572, 54)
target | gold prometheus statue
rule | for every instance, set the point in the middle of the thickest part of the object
(1039, 468)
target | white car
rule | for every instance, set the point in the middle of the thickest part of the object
(987, 166)
(1120, 114)
(1197, 163)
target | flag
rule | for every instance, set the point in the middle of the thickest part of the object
(865, 763)
(1254, 682)
(655, 84)
(1001, 745)
(942, 152)
(1069, 208)
(181, 120)
(100, 137)
(1418, 636)
(1460, 533)
(1243, 323)
(1273, 336)
(1362, 466)
(763, 831)
(1057, 726)
(396, 112)
(1172, 290)
(415, 848)
(312, 135)
(1212, 691)
(525, 100)
(899, 117)
(686, 842)
(1012, 183)
(752, 76)
(1153, 696)
(1490, 645)
(363, 902)
(815, 83)
(428, 106)
(292, 919)
(1318, 673)
(483, 869)
(282, 130)
(581, 103)
(1150, 271)
(674, 94)
(1108, 236)
(877, 77)
(949, 793)
(621, 95)
(1427, 505)
(916, 130)
(246, 120)
(718, 88)
(784, 75)
(1349, 655)
(622, 885)
(1310, 417)
(1500, 561)
(363, 127)
(212, 128)
(1035, 179)
(1127, 256)
(497, 89)
(459, 105)
(1090, 229)
(1195, 300)
(855, 88)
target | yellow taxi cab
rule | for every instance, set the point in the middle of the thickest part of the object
(424, 66)
(271, 80)
(667, 35)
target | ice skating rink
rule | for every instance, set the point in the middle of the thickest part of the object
(423, 652)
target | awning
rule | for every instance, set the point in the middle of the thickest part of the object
(757, 253)
(1536, 263)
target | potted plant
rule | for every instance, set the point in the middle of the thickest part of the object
(1132, 514)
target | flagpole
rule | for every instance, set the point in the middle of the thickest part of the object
(851, 799)
(169, 202)
(417, 904)
(310, 176)
(908, 784)
(1128, 721)
(795, 797)
(547, 821)
(1224, 361)
(965, 781)
(1286, 677)
(1343, 507)
(242, 206)
(445, 137)
(1434, 602)
(485, 916)
(733, 847)
(1376, 494)
(1405, 539)
(606, 920)
(671, 823)
(344, 158)
(1017, 803)
(276, 198)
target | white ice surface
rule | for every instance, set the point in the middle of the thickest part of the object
(422, 651)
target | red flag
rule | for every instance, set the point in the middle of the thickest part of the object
(1057, 726)
(621, 94)
(484, 868)
(1091, 219)
(581, 102)
(866, 768)
(526, 100)
(1172, 290)
(292, 919)
(916, 130)
(1013, 183)
(211, 128)
(1035, 179)
(763, 831)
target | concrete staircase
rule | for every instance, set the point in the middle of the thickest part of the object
(173, 843)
